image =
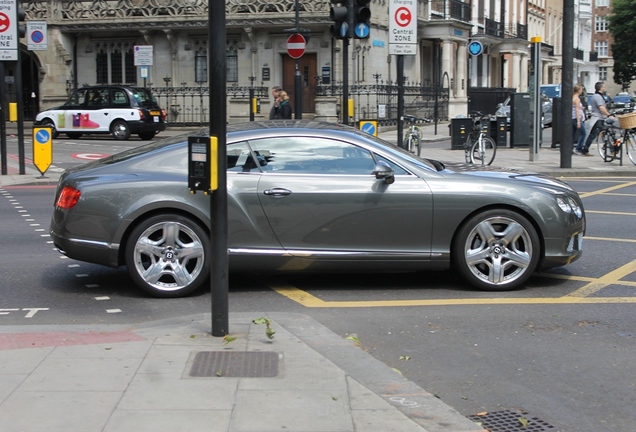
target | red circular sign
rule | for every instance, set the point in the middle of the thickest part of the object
(403, 16)
(296, 45)
(5, 22)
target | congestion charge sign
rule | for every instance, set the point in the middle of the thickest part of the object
(403, 27)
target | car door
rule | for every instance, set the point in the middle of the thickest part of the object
(96, 117)
(67, 118)
(319, 195)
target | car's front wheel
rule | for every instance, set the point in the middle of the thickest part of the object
(168, 255)
(497, 250)
(120, 130)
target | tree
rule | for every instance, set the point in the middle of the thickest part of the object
(622, 27)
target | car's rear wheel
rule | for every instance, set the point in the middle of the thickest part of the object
(497, 250)
(49, 124)
(120, 130)
(168, 255)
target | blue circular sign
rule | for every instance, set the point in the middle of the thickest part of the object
(37, 36)
(368, 128)
(344, 30)
(43, 136)
(475, 48)
(362, 30)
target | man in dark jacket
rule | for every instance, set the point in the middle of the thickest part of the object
(275, 91)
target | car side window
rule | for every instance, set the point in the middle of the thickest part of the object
(98, 98)
(311, 155)
(77, 99)
(240, 158)
(120, 100)
(397, 170)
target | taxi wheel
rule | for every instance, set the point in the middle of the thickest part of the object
(49, 124)
(120, 130)
(73, 135)
(147, 136)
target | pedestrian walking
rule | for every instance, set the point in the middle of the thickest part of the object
(275, 91)
(578, 118)
(283, 109)
(599, 114)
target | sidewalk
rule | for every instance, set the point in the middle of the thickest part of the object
(172, 375)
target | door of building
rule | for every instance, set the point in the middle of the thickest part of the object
(308, 73)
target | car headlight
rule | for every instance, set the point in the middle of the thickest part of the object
(569, 205)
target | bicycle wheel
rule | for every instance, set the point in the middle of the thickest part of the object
(416, 143)
(489, 151)
(468, 145)
(629, 142)
(600, 144)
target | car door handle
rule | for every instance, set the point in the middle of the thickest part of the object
(277, 192)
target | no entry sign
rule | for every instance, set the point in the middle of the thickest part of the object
(296, 45)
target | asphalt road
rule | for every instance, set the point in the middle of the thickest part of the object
(561, 349)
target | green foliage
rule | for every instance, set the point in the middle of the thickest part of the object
(622, 26)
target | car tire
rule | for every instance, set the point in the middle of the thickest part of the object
(120, 130)
(147, 136)
(497, 250)
(73, 135)
(49, 123)
(168, 255)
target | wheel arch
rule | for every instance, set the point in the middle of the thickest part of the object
(508, 207)
(143, 214)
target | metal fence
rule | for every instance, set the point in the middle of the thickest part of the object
(189, 106)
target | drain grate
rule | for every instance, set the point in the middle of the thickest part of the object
(260, 364)
(510, 421)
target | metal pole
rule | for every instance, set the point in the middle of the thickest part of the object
(298, 83)
(567, 84)
(3, 131)
(218, 202)
(345, 81)
(400, 82)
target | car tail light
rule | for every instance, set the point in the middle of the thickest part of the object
(164, 114)
(141, 115)
(68, 198)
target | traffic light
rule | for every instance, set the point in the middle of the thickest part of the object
(21, 24)
(361, 18)
(338, 13)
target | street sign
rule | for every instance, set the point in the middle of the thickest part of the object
(362, 30)
(143, 55)
(36, 36)
(296, 45)
(403, 27)
(42, 148)
(369, 126)
(8, 31)
(475, 48)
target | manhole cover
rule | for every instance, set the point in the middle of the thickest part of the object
(235, 364)
(510, 421)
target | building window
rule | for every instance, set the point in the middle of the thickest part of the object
(602, 73)
(201, 62)
(602, 3)
(601, 48)
(115, 63)
(232, 64)
(201, 66)
(601, 24)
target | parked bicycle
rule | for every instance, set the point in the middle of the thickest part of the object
(479, 147)
(618, 133)
(413, 135)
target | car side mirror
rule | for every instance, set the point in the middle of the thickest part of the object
(499, 105)
(383, 171)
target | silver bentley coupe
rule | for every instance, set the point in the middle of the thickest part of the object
(306, 196)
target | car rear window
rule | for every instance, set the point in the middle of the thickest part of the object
(145, 97)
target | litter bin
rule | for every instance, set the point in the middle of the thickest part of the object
(460, 128)
(498, 131)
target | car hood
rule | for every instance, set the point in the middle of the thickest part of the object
(495, 172)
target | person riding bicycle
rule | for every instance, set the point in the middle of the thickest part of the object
(599, 114)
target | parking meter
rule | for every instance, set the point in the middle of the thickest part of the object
(202, 164)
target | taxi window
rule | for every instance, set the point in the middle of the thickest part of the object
(120, 100)
(77, 98)
(98, 98)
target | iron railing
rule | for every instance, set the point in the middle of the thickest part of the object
(189, 106)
